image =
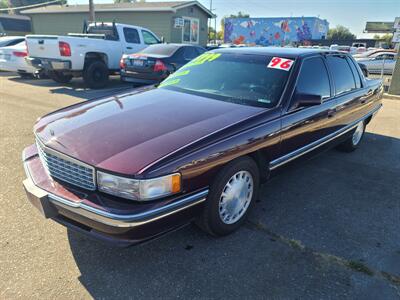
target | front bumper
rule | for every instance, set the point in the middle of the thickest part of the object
(121, 229)
(49, 64)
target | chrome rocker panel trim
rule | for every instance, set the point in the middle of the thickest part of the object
(314, 145)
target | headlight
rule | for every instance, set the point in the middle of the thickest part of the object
(143, 190)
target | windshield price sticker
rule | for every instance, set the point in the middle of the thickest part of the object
(280, 63)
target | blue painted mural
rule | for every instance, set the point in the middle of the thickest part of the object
(274, 31)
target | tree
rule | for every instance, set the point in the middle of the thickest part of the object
(340, 33)
(386, 38)
(211, 34)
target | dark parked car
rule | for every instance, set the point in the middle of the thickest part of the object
(156, 62)
(131, 167)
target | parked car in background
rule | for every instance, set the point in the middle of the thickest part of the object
(12, 59)
(359, 44)
(344, 48)
(371, 52)
(6, 41)
(156, 62)
(131, 167)
(93, 55)
(378, 63)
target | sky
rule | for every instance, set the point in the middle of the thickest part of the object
(352, 14)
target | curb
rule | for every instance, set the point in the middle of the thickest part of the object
(391, 97)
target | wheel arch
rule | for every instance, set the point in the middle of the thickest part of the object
(92, 56)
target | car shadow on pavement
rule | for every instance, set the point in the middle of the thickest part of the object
(326, 229)
(76, 88)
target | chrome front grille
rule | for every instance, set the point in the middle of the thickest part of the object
(66, 168)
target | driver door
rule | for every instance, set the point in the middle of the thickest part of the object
(132, 42)
(304, 125)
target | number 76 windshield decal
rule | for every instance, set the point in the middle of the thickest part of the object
(280, 63)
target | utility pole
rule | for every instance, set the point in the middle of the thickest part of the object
(92, 17)
(209, 23)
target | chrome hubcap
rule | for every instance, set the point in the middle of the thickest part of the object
(236, 197)
(358, 133)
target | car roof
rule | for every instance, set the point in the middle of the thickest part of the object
(276, 51)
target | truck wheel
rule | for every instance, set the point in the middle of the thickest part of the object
(354, 140)
(96, 74)
(59, 77)
(231, 195)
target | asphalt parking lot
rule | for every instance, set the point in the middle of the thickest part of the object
(327, 228)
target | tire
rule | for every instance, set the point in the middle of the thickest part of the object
(95, 74)
(354, 140)
(59, 77)
(218, 217)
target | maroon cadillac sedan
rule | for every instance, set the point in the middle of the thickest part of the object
(128, 168)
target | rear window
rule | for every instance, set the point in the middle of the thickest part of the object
(109, 31)
(342, 74)
(160, 49)
(238, 78)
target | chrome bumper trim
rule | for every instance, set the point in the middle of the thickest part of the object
(111, 219)
(314, 145)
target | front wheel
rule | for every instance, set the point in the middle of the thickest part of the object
(59, 77)
(231, 195)
(354, 140)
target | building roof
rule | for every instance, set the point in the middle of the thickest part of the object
(171, 6)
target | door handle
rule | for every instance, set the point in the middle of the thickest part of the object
(130, 48)
(331, 113)
(364, 99)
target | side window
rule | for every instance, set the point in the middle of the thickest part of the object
(388, 57)
(355, 73)
(313, 78)
(131, 35)
(148, 38)
(200, 50)
(342, 75)
(190, 53)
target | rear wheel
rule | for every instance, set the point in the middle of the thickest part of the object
(231, 195)
(59, 77)
(96, 74)
(354, 140)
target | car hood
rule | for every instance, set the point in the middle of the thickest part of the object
(126, 133)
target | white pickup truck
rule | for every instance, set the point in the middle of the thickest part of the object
(93, 55)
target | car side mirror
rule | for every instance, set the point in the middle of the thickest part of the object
(307, 99)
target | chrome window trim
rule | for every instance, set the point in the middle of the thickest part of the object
(314, 145)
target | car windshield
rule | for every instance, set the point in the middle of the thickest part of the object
(239, 78)
(160, 49)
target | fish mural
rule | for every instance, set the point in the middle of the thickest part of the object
(274, 31)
